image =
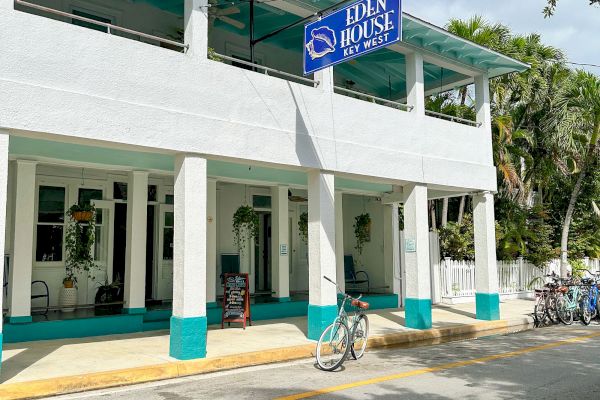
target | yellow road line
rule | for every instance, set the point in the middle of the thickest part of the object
(438, 368)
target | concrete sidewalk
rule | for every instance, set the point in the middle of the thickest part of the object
(61, 366)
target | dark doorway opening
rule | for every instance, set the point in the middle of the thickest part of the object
(120, 240)
(150, 252)
(262, 255)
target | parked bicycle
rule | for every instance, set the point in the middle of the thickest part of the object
(346, 334)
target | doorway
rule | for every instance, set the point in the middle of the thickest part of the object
(119, 243)
(262, 254)
(150, 252)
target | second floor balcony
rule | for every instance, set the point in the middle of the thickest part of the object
(106, 50)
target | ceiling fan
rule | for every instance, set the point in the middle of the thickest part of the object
(296, 199)
(222, 14)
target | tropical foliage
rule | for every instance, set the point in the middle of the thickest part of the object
(546, 134)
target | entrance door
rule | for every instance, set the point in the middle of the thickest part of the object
(150, 252)
(103, 247)
(262, 254)
(120, 240)
(164, 276)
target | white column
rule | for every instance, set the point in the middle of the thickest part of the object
(322, 297)
(188, 323)
(415, 87)
(391, 232)
(7, 4)
(339, 240)
(280, 247)
(211, 243)
(4, 137)
(135, 248)
(486, 269)
(325, 78)
(482, 102)
(196, 28)
(416, 237)
(22, 260)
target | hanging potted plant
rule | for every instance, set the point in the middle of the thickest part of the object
(80, 236)
(362, 231)
(245, 227)
(303, 226)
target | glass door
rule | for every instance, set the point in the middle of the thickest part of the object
(164, 275)
(103, 246)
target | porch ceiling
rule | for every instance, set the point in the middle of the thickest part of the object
(381, 73)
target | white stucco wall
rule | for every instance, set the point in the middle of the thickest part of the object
(126, 92)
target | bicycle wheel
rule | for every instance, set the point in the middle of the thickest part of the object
(564, 314)
(333, 346)
(551, 308)
(360, 336)
(584, 309)
(539, 310)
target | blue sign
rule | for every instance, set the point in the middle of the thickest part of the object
(356, 29)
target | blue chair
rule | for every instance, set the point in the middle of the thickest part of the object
(352, 276)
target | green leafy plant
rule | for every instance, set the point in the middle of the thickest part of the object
(80, 236)
(362, 231)
(456, 240)
(245, 227)
(303, 226)
(578, 268)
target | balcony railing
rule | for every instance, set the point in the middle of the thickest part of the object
(266, 70)
(452, 118)
(109, 27)
(374, 99)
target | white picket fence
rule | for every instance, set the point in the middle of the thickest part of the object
(515, 278)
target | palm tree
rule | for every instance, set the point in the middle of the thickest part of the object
(551, 7)
(575, 127)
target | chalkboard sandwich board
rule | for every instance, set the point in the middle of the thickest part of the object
(236, 300)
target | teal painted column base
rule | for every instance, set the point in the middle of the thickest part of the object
(212, 304)
(418, 313)
(187, 339)
(19, 320)
(319, 318)
(487, 306)
(134, 311)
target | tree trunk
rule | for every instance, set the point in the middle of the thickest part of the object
(445, 212)
(461, 209)
(463, 95)
(564, 239)
(432, 213)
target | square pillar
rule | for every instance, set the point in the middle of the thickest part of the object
(4, 137)
(22, 261)
(391, 244)
(135, 249)
(486, 269)
(482, 102)
(325, 78)
(188, 323)
(196, 28)
(279, 243)
(7, 4)
(339, 240)
(322, 295)
(415, 86)
(211, 244)
(416, 248)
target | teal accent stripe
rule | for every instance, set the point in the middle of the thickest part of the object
(319, 318)
(187, 339)
(134, 311)
(20, 320)
(418, 313)
(212, 304)
(487, 306)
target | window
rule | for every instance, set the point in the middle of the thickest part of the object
(120, 191)
(168, 236)
(259, 201)
(91, 25)
(152, 192)
(169, 199)
(50, 223)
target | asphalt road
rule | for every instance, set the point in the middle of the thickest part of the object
(549, 363)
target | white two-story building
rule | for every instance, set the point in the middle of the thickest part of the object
(158, 114)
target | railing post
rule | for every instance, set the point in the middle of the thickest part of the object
(196, 28)
(7, 4)
(415, 86)
(325, 79)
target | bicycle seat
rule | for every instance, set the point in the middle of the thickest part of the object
(563, 289)
(363, 305)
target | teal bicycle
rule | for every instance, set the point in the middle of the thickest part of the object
(572, 300)
(346, 334)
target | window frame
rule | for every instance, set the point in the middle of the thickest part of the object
(51, 183)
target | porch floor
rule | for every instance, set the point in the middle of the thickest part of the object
(27, 361)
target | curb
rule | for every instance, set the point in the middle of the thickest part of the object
(177, 369)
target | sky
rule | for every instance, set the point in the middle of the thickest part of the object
(575, 28)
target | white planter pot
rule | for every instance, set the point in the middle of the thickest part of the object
(68, 298)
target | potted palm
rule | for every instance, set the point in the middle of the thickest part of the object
(79, 239)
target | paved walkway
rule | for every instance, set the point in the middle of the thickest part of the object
(22, 362)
